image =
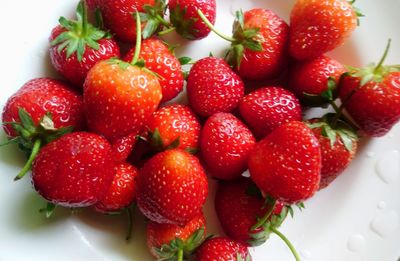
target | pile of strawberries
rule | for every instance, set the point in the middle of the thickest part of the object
(104, 139)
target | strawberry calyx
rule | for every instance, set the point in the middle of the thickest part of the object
(153, 16)
(79, 34)
(356, 11)
(326, 97)
(182, 25)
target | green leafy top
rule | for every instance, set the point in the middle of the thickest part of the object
(153, 16)
(183, 26)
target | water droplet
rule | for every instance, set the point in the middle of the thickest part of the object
(385, 224)
(382, 205)
(356, 243)
(370, 154)
(387, 167)
(305, 254)
(237, 5)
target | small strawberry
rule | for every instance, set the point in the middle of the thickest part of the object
(286, 164)
(121, 193)
(225, 145)
(173, 242)
(160, 60)
(123, 147)
(319, 26)
(309, 79)
(371, 96)
(76, 46)
(267, 108)
(172, 187)
(75, 170)
(213, 87)
(222, 248)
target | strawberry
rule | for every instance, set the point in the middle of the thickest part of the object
(172, 187)
(42, 110)
(121, 193)
(75, 170)
(173, 241)
(213, 87)
(184, 17)
(123, 147)
(160, 60)
(286, 164)
(76, 46)
(222, 248)
(319, 26)
(174, 126)
(267, 108)
(225, 145)
(309, 79)
(371, 96)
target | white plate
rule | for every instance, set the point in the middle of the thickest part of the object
(356, 219)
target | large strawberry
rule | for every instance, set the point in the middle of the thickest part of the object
(267, 108)
(76, 46)
(160, 60)
(213, 87)
(172, 187)
(286, 164)
(173, 241)
(222, 248)
(371, 96)
(225, 145)
(42, 110)
(319, 26)
(75, 170)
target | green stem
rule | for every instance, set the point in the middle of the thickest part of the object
(130, 223)
(385, 54)
(162, 21)
(287, 242)
(138, 39)
(166, 31)
(180, 255)
(28, 164)
(211, 26)
(84, 17)
(265, 217)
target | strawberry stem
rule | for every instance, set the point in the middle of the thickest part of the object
(180, 255)
(166, 31)
(264, 219)
(130, 223)
(138, 39)
(209, 25)
(385, 54)
(82, 6)
(287, 242)
(28, 164)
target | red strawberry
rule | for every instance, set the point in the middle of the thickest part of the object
(173, 241)
(286, 164)
(174, 126)
(123, 147)
(213, 87)
(172, 187)
(74, 171)
(76, 46)
(225, 145)
(184, 17)
(309, 79)
(121, 194)
(160, 60)
(268, 108)
(222, 248)
(319, 26)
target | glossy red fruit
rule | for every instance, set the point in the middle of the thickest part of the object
(183, 239)
(184, 17)
(213, 87)
(76, 46)
(74, 171)
(222, 248)
(319, 26)
(123, 147)
(267, 108)
(286, 164)
(225, 146)
(122, 191)
(172, 187)
(160, 60)
(309, 79)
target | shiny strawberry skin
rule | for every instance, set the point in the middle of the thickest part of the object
(213, 87)
(319, 26)
(160, 60)
(74, 171)
(274, 36)
(184, 17)
(222, 249)
(225, 146)
(41, 95)
(73, 70)
(286, 164)
(119, 101)
(122, 191)
(172, 187)
(123, 147)
(267, 108)
(119, 16)
(176, 121)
